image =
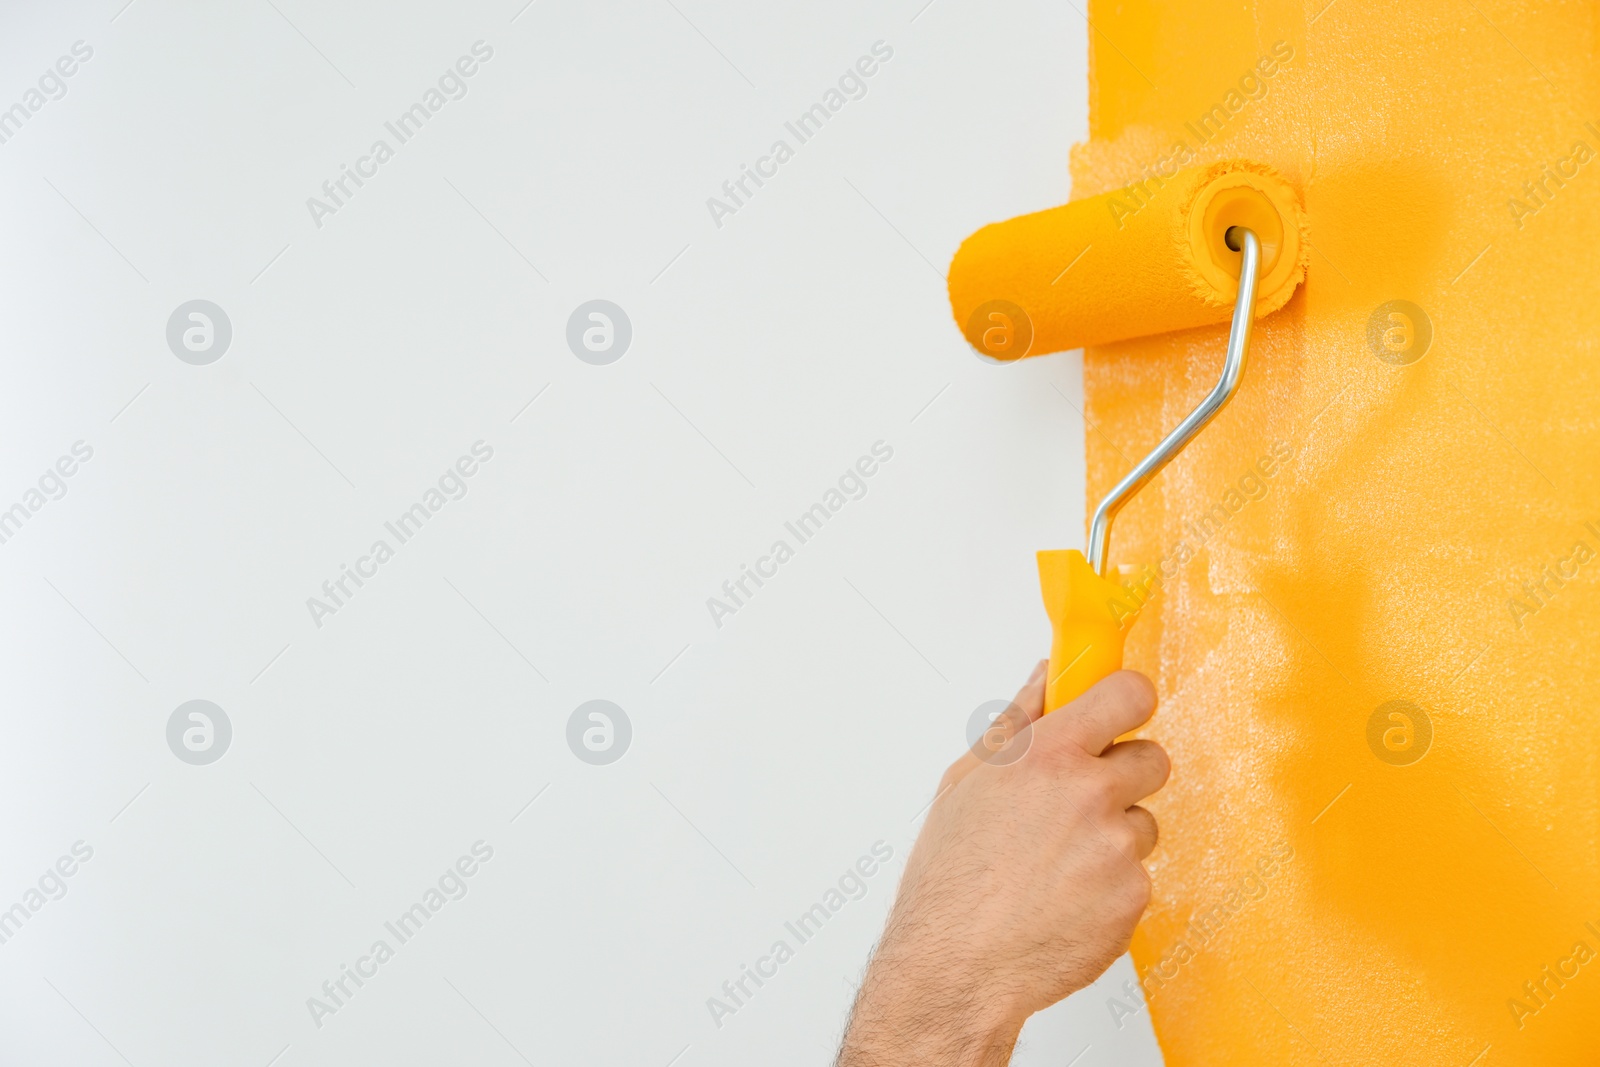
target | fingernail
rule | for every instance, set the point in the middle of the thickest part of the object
(1038, 671)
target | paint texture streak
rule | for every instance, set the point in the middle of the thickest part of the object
(1419, 543)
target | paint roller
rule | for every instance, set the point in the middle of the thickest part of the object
(1203, 246)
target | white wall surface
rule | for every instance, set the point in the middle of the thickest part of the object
(430, 711)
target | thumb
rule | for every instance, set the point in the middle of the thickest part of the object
(1011, 727)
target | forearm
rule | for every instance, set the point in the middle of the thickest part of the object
(903, 1018)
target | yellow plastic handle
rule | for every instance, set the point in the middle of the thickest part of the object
(1090, 616)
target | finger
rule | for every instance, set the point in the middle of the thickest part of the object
(1137, 768)
(1030, 698)
(1007, 729)
(1117, 703)
(1145, 831)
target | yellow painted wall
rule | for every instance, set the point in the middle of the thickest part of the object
(1403, 906)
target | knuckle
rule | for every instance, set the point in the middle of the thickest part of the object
(1100, 788)
(1132, 690)
(1137, 896)
(1123, 838)
(1163, 761)
(1155, 759)
(1131, 892)
(1145, 829)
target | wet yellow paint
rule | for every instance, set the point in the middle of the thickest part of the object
(1357, 528)
(1109, 267)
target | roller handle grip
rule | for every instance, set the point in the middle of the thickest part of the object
(1090, 617)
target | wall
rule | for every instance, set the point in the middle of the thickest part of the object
(431, 710)
(1396, 551)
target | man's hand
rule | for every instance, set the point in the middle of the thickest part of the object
(1024, 885)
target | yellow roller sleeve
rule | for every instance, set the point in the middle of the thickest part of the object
(1138, 261)
(1091, 617)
